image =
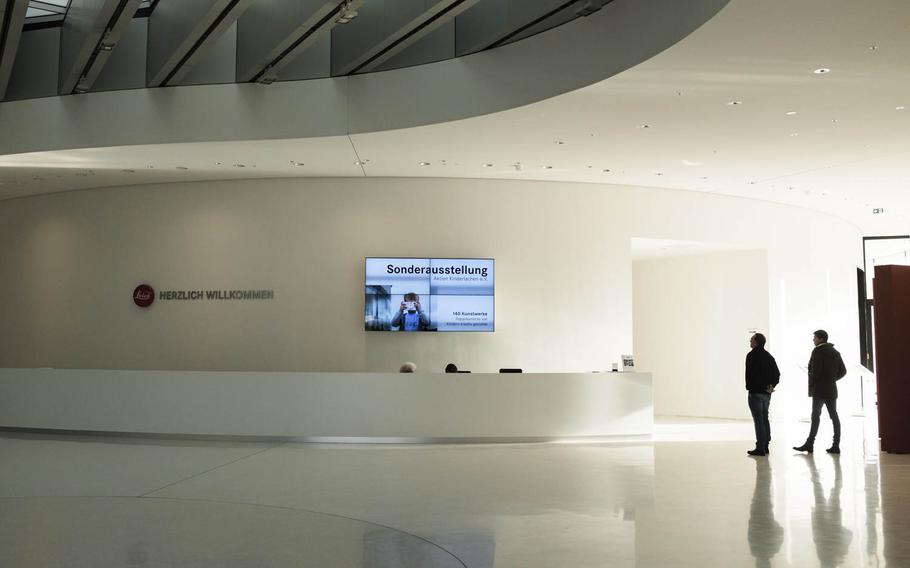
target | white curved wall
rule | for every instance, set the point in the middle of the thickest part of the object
(563, 288)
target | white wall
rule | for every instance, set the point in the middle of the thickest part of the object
(563, 285)
(691, 319)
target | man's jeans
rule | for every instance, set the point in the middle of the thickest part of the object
(759, 404)
(817, 404)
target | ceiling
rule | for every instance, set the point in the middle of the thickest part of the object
(735, 109)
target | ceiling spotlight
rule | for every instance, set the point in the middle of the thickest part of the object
(548, 167)
(822, 71)
(873, 48)
(295, 163)
(218, 163)
(644, 126)
(794, 134)
(239, 165)
(659, 173)
(559, 142)
(790, 113)
(900, 107)
(346, 12)
(703, 177)
(606, 171)
(488, 165)
(424, 163)
(734, 103)
(182, 168)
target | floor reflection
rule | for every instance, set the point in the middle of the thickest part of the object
(832, 539)
(765, 534)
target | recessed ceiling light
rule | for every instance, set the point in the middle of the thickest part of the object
(296, 163)
(734, 103)
(239, 165)
(873, 48)
(643, 126)
(658, 173)
(790, 113)
(794, 134)
(703, 177)
(182, 168)
(606, 171)
(559, 142)
(218, 163)
(424, 163)
(834, 121)
(900, 107)
(488, 165)
(548, 167)
(822, 71)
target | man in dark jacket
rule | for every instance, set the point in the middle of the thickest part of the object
(826, 367)
(762, 376)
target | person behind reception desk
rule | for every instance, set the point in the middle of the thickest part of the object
(410, 316)
(408, 367)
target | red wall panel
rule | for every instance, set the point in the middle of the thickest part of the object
(891, 290)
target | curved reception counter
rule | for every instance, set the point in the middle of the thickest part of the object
(330, 407)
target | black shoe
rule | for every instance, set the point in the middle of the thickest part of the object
(835, 449)
(807, 447)
(757, 452)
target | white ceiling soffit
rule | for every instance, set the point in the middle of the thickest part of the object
(576, 54)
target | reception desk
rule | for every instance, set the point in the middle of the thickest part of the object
(376, 407)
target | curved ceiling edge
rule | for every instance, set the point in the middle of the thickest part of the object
(563, 59)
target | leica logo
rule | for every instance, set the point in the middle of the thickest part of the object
(143, 295)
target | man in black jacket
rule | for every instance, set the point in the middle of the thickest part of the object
(826, 367)
(762, 376)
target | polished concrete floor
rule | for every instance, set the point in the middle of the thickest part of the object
(690, 497)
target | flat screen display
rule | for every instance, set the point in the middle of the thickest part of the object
(429, 294)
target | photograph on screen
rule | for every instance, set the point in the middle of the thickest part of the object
(429, 294)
